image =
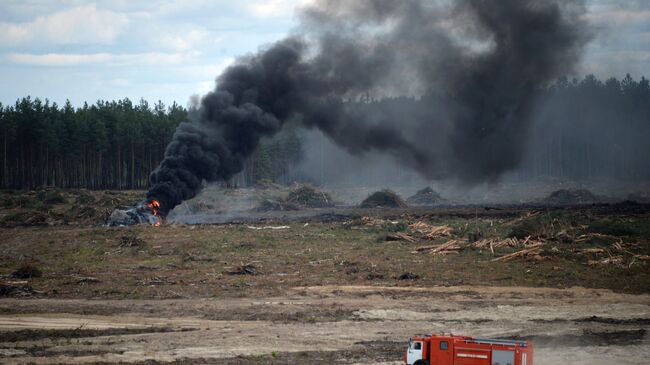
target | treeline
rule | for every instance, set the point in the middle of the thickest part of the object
(584, 129)
(109, 145)
(589, 129)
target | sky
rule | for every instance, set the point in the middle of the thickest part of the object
(170, 50)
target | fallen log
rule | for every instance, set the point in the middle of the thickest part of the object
(446, 246)
(589, 250)
(586, 237)
(535, 248)
(444, 253)
(608, 260)
(399, 236)
(453, 245)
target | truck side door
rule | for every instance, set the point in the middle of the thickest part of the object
(442, 352)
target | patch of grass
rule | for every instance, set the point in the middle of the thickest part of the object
(190, 261)
(547, 224)
(612, 227)
(400, 226)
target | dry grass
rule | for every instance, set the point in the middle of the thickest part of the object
(194, 260)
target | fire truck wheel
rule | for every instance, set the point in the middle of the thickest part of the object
(421, 362)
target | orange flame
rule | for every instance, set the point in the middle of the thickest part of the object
(154, 205)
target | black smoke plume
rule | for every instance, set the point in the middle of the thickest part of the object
(473, 67)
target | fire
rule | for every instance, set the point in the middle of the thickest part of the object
(154, 205)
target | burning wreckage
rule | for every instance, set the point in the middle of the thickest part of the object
(145, 212)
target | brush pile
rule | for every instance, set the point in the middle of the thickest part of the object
(308, 196)
(383, 199)
(299, 197)
(426, 196)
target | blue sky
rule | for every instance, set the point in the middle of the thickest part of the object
(170, 50)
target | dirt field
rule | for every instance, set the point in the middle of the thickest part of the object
(325, 325)
(326, 286)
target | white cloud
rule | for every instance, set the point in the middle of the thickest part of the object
(67, 59)
(275, 8)
(185, 41)
(80, 25)
(207, 71)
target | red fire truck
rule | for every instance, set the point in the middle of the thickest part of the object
(447, 349)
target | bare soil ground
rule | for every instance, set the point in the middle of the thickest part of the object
(357, 324)
(323, 286)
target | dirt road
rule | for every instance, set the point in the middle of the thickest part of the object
(323, 325)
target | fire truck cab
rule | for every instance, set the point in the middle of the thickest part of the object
(447, 349)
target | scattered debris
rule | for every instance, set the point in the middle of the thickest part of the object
(383, 199)
(428, 231)
(87, 279)
(408, 276)
(426, 196)
(593, 250)
(247, 269)
(506, 242)
(443, 249)
(534, 249)
(455, 245)
(617, 260)
(308, 196)
(269, 227)
(27, 271)
(139, 214)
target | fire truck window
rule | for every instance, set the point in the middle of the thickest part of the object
(417, 346)
(444, 345)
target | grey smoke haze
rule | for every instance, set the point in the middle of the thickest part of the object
(475, 66)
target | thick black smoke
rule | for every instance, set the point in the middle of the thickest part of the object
(476, 67)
